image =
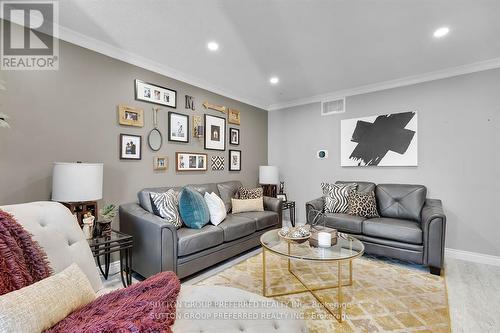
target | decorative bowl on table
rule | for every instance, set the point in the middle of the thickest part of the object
(297, 235)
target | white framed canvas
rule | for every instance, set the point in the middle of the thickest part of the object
(178, 127)
(156, 94)
(215, 132)
(235, 160)
(384, 140)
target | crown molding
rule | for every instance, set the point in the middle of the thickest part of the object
(406, 81)
(98, 46)
(472, 256)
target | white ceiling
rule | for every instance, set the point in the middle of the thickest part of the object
(314, 47)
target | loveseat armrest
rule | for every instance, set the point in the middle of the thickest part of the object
(316, 204)
(433, 225)
(275, 205)
(155, 240)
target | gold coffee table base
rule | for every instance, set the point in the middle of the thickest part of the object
(339, 315)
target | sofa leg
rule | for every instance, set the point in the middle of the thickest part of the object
(435, 270)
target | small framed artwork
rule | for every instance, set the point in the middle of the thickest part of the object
(160, 163)
(130, 147)
(215, 133)
(234, 136)
(217, 163)
(191, 161)
(178, 127)
(234, 116)
(282, 197)
(235, 160)
(197, 127)
(130, 116)
(153, 93)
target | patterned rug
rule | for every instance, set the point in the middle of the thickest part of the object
(386, 296)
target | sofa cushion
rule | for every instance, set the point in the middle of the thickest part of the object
(235, 227)
(362, 204)
(250, 193)
(195, 240)
(203, 188)
(247, 205)
(363, 187)
(228, 190)
(262, 220)
(166, 205)
(145, 198)
(193, 208)
(401, 201)
(400, 230)
(336, 197)
(344, 222)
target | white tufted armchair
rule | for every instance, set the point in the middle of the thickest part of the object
(201, 309)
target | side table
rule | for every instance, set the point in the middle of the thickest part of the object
(290, 205)
(116, 242)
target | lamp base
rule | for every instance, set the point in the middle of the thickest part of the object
(269, 190)
(80, 208)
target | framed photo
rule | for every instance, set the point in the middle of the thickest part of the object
(233, 116)
(153, 93)
(234, 136)
(130, 116)
(178, 127)
(235, 160)
(160, 163)
(130, 147)
(215, 132)
(197, 127)
(282, 197)
(191, 161)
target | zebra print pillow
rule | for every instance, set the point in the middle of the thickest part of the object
(166, 205)
(336, 197)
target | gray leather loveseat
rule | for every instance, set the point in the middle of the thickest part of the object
(411, 227)
(158, 246)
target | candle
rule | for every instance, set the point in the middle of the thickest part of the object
(324, 239)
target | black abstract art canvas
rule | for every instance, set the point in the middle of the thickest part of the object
(385, 140)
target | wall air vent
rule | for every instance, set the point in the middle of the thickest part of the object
(335, 106)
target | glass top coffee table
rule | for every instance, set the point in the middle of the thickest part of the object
(345, 250)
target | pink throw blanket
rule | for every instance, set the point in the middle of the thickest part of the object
(148, 306)
(22, 261)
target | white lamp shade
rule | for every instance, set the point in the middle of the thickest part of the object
(77, 182)
(268, 174)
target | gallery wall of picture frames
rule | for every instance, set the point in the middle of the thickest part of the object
(211, 128)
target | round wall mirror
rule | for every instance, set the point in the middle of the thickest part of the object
(154, 139)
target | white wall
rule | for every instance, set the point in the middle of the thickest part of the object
(458, 151)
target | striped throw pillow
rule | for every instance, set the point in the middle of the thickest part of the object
(166, 206)
(336, 197)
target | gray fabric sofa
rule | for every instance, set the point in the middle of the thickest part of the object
(159, 246)
(411, 226)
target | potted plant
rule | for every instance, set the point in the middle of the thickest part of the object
(108, 213)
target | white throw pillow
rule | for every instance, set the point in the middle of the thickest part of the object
(43, 304)
(247, 205)
(216, 208)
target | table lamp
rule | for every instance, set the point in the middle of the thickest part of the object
(78, 186)
(268, 179)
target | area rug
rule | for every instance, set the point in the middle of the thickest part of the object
(386, 296)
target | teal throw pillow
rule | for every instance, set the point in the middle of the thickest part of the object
(193, 208)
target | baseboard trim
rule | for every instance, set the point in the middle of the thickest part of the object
(472, 256)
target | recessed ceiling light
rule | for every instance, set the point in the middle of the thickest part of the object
(274, 80)
(441, 32)
(213, 46)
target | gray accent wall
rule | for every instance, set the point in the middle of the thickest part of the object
(71, 115)
(458, 151)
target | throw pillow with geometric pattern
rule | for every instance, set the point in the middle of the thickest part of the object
(364, 205)
(250, 193)
(166, 205)
(335, 196)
